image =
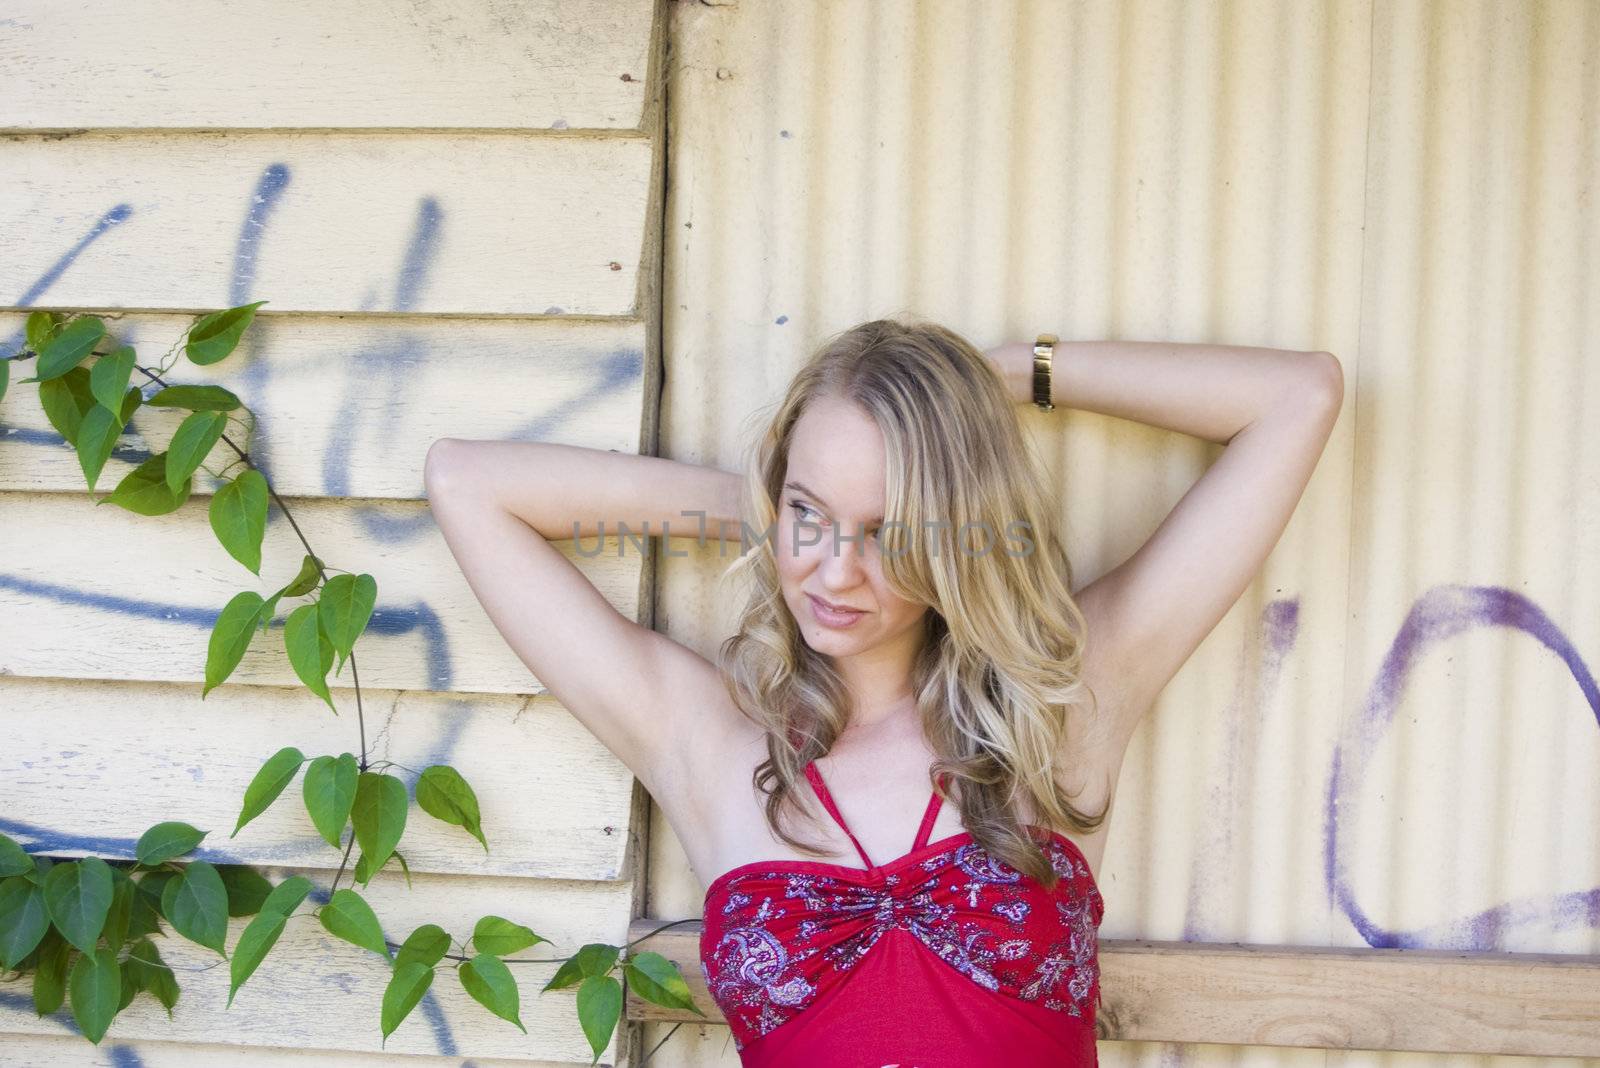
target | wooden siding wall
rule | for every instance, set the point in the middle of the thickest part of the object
(452, 210)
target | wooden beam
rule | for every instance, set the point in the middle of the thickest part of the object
(1431, 1001)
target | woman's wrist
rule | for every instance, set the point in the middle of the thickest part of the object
(1014, 361)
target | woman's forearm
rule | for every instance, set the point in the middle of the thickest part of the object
(567, 491)
(1209, 391)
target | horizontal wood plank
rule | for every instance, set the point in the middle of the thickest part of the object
(317, 992)
(69, 1050)
(1303, 996)
(88, 766)
(500, 224)
(89, 591)
(515, 64)
(346, 406)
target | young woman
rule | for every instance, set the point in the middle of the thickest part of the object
(912, 668)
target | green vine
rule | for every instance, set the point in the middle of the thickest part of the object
(84, 927)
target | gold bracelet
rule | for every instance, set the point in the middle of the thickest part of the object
(1043, 351)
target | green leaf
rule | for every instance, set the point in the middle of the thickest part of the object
(596, 958)
(345, 609)
(379, 816)
(500, 936)
(165, 841)
(238, 517)
(97, 440)
(443, 794)
(310, 651)
(24, 919)
(196, 904)
(67, 349)
(230, 637)
(406, 987)
(247, 888)
(275, 775)
(39, 330)
(287, 895)
(130, 987)
(306, 580)
(214, 336)
(41, 868)
(13, 861)
(258, 938)
(656, 979)
(196, 398)
(5, 377)
(144, 490)
(50, 974)
(96, 989)
(491, 985)
(330, 792)
(108, 378)
(119, 918)
(427, 945)
(154, 975)
(599, 1008)
(66, 400)
(147, 903)
(191, 443)
(78, 895)
(349, 917)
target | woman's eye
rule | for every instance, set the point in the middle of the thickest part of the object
(798, 507)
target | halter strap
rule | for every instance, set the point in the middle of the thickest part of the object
(814, 776)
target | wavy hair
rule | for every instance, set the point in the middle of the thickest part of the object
(999, 670)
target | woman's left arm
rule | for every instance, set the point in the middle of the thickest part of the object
(1274, 409)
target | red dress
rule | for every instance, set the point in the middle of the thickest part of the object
(943, 958)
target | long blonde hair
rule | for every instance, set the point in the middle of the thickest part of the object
(998, 673)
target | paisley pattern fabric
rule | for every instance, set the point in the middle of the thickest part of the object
(780, 935)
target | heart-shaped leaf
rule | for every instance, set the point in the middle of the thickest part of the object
(656, 979)
(196, 904)
(50, 974)
(154, 975)
(310, 651)
(67, 349)
(196, 398)
(13, 861)
(379, 816)
(258, 938)
(501, 937)
(247, 888)
(406, 986)
(596, 958)
(230, 637)
(599, 1009)
(96, 989)
(191, 443)
(344, 610)
(214, 336)
(144, 490)
(24, 919)
(348, 916)
(166, 840)
(330, 792)
(78, 895)
(443, 794)
(273, 778)
(238, 515)
(492, 985)
(108, 378)
(427, 945)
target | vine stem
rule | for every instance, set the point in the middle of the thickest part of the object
(560, 960)
(355, 676)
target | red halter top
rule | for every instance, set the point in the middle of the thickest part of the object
(942, 958)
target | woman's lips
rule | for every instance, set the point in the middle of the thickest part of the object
(831, 617)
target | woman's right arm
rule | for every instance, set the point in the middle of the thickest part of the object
(499, 504)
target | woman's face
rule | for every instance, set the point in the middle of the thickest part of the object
(827, 538)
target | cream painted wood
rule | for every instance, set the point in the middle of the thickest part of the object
(346, 406)
(451, 223)
(318, 992)
(88, 766)
(521, 64)
(93, 591)
(70, 1051)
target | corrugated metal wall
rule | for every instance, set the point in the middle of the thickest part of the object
(453, 210)
(1391, 740)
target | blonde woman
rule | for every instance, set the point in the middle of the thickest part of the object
(914, 680)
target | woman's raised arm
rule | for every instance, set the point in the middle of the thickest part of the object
(499, 504)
